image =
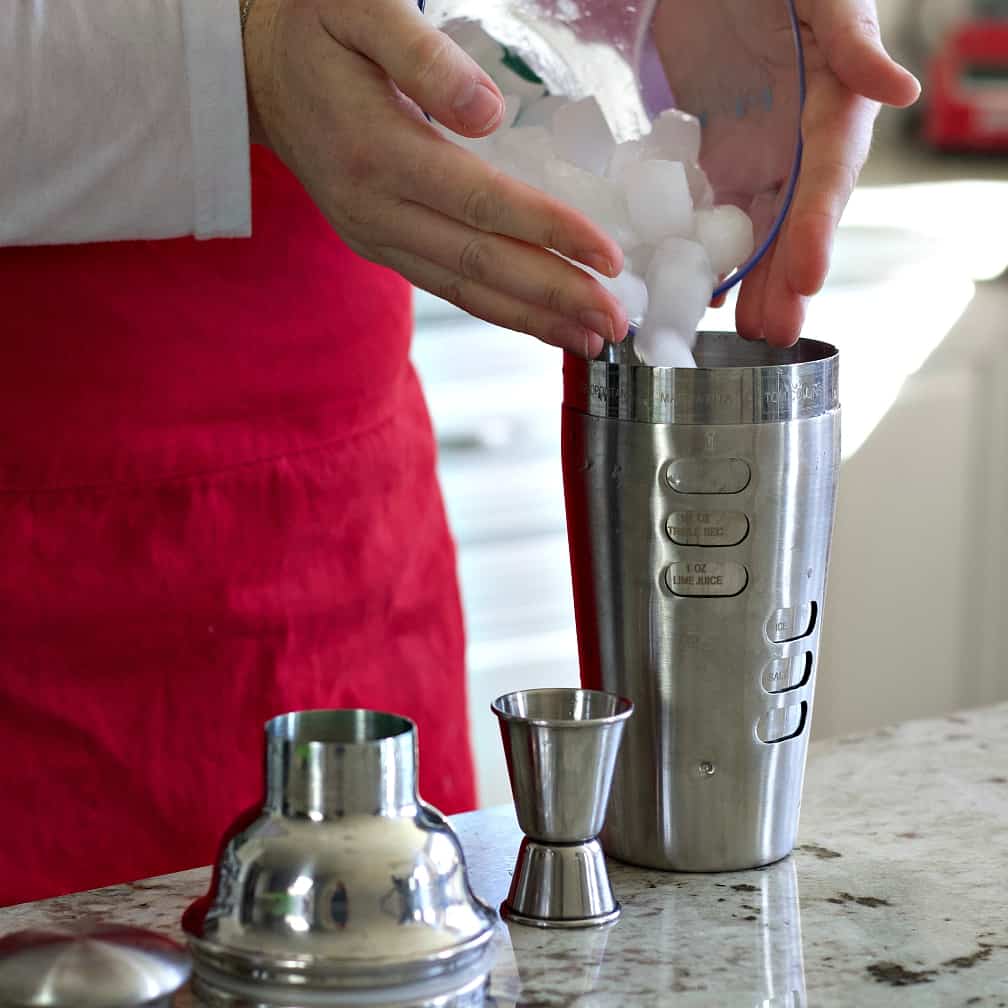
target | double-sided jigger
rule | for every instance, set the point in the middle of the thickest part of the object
(561, 747)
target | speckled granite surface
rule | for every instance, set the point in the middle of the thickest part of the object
(897, 895)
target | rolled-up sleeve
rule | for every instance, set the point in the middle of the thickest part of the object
(122, 119)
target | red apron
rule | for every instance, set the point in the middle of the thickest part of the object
(218, 502)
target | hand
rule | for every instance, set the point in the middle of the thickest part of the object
(733, 61)
(336, 89)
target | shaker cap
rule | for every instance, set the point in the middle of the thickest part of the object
(90, 965)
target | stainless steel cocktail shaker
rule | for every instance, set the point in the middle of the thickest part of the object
(348, 890)
(700, 509)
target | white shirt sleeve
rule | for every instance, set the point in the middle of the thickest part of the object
(122, 119)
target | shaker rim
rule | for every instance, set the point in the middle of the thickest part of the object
(624, 708)
(320, 973)
(737, 382)
(347, 726)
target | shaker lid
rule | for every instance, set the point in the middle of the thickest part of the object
(89, 965)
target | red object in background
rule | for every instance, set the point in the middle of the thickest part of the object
(967, 94)
(218, 502)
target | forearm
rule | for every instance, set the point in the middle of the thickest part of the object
(121, 119)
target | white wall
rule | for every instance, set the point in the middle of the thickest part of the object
(914, 621)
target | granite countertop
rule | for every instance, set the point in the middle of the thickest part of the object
(896, 895)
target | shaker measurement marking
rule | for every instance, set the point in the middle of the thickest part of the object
(707, 528)
(696, 574)
(706, 579)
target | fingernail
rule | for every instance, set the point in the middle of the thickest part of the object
(593, 346)
(598, 262)
(598, 322)
(579, 340)
(478, 107)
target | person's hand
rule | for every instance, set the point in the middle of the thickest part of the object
(336, 90)
(733, 62)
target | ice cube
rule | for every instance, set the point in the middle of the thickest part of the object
(524, 151)
(675, 136)
(623, 156)
(678, 300)
(727, 234)
(581, 135)
(680, 282)
(597, 198)
(638, 259)
(699, 186)
(658, 198)
(540, 113)
(631, 292)
(629, 289)
(664, 347)
(533, 140)
(686, 251)
(523, 168)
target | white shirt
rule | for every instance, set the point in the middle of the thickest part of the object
(122, 119)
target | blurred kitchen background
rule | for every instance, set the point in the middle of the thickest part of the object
(916, 622)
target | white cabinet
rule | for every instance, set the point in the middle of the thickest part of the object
(915, 621)
(495, 400)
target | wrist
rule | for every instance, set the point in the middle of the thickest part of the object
(256, 21)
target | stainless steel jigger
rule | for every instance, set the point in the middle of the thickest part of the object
(561, 747)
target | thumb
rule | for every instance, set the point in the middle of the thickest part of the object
(425, 63)
(848, 33)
